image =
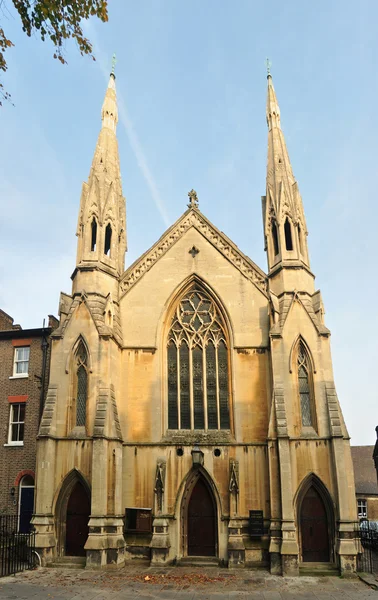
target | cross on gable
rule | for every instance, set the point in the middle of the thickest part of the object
(193, 199)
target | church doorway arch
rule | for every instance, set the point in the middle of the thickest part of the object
(315, 516)
(73, 510)
(78, 511)
(199, 523)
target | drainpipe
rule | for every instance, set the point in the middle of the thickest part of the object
(44, 346)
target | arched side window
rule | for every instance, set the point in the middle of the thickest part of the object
(93, 234)
(198, 365)
(300, 239)
(108, 239)
(305, 388)
(288, 236)
(81, 385)
(275, 238)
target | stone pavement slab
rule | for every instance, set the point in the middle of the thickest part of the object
(177, 583)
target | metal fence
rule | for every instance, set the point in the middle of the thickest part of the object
(17, 550)
(367, 560)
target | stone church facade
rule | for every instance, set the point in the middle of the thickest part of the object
(191, 411)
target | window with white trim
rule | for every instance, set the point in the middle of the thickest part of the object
(198, 365)
(21, 361)
(362, 509)
(16, 424)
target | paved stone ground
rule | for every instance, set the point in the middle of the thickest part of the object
(187, 583)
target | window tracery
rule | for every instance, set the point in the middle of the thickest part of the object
(82, 384)
(198, 365)
(305, 386)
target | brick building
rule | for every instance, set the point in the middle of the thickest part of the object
(366, 482)
(24, 367)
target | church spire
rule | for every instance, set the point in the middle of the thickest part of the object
(284, 220)
(101, 227)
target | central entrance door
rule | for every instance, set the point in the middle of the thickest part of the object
(78, 511)
(201, 522)
(314, 528)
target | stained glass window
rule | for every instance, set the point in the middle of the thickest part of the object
(198, 397)
(304, 386)
(82, 385)
(211, 380)
(172, 386)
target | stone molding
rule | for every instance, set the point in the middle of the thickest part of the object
(279, 402)
(333, 410)
(48, 411)
(193, 218)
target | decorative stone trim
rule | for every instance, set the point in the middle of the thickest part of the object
(193, 218)
(279, 401)
(333, 410)
(48, 411)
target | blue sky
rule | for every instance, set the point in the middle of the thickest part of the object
(191, 84)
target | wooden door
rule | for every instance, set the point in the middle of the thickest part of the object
(314, 528)
(201, 522)
(78, 511)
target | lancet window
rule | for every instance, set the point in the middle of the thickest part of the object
(300, 239)
(275, 238)
(81, 384)
(288, 236)
(108, 239)
(93, 234)
(198, 365)
(305, 386)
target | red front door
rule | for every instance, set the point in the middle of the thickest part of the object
(78, 511)
(201, 522)
(314, 528)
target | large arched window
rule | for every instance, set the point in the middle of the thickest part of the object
(81, 384)
(198, 365)
(306, 395)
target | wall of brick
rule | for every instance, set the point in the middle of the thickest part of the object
(16, 459)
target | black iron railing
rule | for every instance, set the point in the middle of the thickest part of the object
(367, 560)
(17, 550)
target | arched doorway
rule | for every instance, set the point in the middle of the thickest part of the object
(77, 517)
(201, 521)
(314, 527)
(72, 513)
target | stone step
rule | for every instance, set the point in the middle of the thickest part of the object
(69, 562)
(319, 569)
(198, 561)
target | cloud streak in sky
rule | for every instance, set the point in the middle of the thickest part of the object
(127, 123)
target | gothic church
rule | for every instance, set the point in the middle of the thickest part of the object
(191, 413)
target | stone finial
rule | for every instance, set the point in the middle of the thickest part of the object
(193, 199)
(114, 61)
(268, 65)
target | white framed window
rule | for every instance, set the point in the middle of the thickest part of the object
(16, 424)
(21, 361)
(362, 509)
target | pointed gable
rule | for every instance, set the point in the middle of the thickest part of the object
(194, 218)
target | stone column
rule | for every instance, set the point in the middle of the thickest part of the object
(106, 545)
(289, 544)
(346, 543)
(275, 508)
(43, 519)
(236, 548)
(160, 543)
